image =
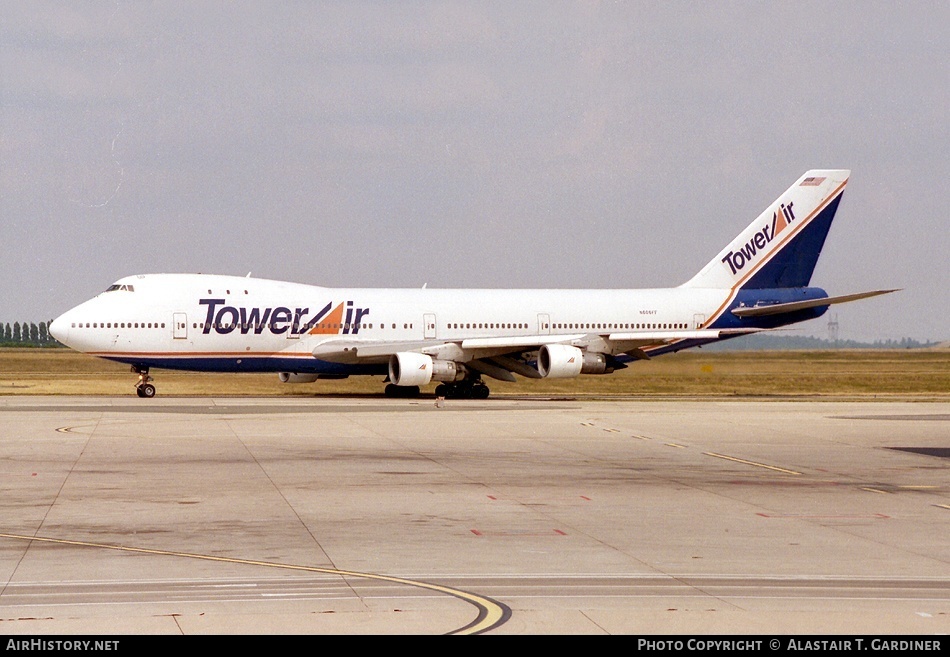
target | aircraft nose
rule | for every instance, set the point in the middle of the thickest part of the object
(59, 329)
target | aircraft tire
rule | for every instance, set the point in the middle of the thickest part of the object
(404, 392)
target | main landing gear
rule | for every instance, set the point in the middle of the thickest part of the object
(403, 392)
(144, 387)
(468, 389)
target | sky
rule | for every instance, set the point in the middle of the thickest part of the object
(547, 144)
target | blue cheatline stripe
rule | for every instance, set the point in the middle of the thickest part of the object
(245, 364)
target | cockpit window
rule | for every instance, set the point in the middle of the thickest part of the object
(113, 288)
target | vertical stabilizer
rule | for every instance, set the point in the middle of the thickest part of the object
(781, 247)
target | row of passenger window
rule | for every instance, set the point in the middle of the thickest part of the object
(118, 325)
(571, 326)
(488, 326)
(258, 327)
(468, 325)
(455, 325)
(628, 326)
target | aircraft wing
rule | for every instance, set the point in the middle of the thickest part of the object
(356, 350)
(499, 357)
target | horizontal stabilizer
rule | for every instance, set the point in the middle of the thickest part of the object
(781, 308)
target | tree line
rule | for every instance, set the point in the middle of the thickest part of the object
(26, 335)
(766, 342)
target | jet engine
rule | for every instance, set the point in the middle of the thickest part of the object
(293, 377)
(412, 369)
(561, 361)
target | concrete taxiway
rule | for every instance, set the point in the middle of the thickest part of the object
(507, 516)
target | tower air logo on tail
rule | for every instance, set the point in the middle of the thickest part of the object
(781, 219)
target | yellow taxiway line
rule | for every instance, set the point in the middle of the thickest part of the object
(491, 613)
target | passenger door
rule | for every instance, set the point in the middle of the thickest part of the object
(180, 323)
(428, 321)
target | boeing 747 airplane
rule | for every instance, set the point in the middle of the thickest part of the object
(213, 323)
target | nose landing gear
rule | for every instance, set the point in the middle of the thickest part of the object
(144, 387)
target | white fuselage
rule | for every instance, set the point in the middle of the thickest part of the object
(222, 323)
(758, 281)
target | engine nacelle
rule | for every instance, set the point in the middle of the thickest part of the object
(410, 369)
(448, 370)
(561, 361)
(293, 377)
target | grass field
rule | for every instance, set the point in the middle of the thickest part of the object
(917, 374)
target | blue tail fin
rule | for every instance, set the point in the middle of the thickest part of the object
(781, 247)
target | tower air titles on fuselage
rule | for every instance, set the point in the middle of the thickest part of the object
(279, 320)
